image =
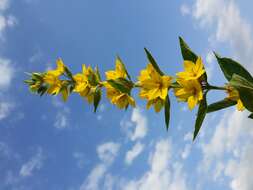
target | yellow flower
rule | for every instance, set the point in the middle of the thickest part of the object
(192, 70)
(51, 77)
(86, 83)
(158, 104)
(118, 98)
(59, 70)
(154, 87)
(189, 91)
(233, 94)
(121, 100)
(119, 72)
(54, 83)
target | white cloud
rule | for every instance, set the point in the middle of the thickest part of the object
(109, 182)
(35, 163)
(162, 173)
(241, 171)
(225, 17)
(188, 136)
(187, 150)
(209, 67)
(141, 124)
(228, 151)
(108, 151)
(6, 21)
(138, 127)
(93, 180)
(185, 9)
(133, 153)
(6, 74)
(226, 137)
(4, 4)
(5, 109)
(61, 121)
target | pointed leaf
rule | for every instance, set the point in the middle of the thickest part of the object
(97, 98)
(65, 93)
(124, 82)
(41, 91)
(250, 116)
(220, 105)
(97, 73)
(153, 62)
(200, 116)
(93, 80)
(68, 72)
(29, 82)
(119, 59)
(167, 112)
(230, 67)
(37, 76)
(119, 86)
(187, 53)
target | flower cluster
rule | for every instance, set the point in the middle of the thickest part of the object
(190, 81)
(154, 87)
(190, 85)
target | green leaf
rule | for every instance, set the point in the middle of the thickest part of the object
(153, 62)
(127, 106)
(120, 60)
(97, 98)
(187, 53)
(220, 105)
(251, 116)
(33, 90)
(175, 85)
(71, 88)
(65, 93)
(230, 67)
(245, 89)
(37, 76)
(97, 73)
(167, 112)
(69, 74)
(93, 80)
(238, 81)
(29, 82)
(200, 116)
(124, 82)
(119, 86)
(41, 91)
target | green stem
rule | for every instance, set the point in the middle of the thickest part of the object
(210, 87)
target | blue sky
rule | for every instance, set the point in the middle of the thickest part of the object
(48, 144)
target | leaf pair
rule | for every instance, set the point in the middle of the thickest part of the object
(240, 79)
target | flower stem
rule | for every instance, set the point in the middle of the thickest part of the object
(210, 87)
